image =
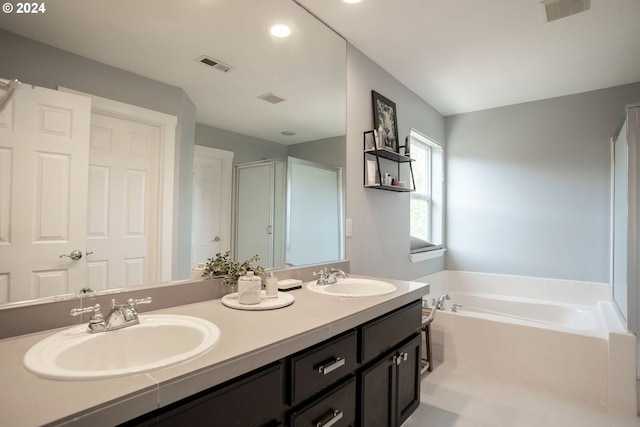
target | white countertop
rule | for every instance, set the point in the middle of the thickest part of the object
(249, 339)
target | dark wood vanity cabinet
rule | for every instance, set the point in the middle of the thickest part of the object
(387, 375)
(335, 407)
(389, 381)
(390, 387)
(385, 332)
(368, 376)
(322, 365)
(255, 399)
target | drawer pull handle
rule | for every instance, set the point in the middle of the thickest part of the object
(332, 417)
(331, 366)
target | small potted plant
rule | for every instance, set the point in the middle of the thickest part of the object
(223, 267)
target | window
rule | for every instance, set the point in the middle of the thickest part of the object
(427, 204)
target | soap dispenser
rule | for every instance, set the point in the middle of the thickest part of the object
(249, 288)
(271, 285)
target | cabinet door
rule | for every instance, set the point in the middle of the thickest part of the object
(377, 404)
(408, 384)
(390, 388)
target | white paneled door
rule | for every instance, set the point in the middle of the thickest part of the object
(44, 149)
(212, 181)
(123, 202)
(80, 179)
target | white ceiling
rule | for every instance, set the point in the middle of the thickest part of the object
(161, 39)
(457, 55)
(468, 55)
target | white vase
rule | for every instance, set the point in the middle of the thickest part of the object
(249, 289)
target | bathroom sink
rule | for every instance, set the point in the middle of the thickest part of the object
(353, 287)
(157, 342)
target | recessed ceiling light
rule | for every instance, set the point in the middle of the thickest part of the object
(280, 30)
(352, 1)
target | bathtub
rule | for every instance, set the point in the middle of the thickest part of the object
(561, 347)
(572, 318)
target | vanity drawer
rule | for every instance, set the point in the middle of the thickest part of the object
(336, 408)
(381, 334)
(253, 400)
(319, 366)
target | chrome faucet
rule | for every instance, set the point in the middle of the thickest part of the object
(120, 316)
(440, 303)
(323, 276)
(333, 276)
(329, 277)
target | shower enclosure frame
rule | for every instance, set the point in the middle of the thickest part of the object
(625, 222)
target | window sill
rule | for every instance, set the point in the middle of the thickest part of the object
(425, 256)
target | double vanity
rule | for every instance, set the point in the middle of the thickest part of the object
(327, 359)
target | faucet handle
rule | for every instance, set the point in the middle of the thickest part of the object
(91, 309)
(322, 273)
(96, 323)
(133, 302)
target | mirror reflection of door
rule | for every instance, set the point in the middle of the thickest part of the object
(212, 182)
(74, 181)
(123, 206)
(43, 187)
(314, 196)
(259, 212)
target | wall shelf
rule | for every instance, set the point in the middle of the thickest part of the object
(371, 159)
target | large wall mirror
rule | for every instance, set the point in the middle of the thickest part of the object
(258, 98)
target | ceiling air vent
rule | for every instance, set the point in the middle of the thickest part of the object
(557, 9)
(271, 97)
(213, 63)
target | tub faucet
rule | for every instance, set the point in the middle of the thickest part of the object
(454, 309)
(440, 302)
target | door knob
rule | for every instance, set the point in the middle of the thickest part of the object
(74, 255)
(216, 239)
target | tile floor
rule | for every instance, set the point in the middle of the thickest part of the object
(457, 397)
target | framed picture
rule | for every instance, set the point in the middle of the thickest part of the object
(385, 121)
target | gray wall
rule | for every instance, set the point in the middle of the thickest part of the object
(245, 148)
(328, 151)
(42, 65)
(380, 242)
(528, 186)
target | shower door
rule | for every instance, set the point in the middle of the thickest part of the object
(259, 212)
(626, 217)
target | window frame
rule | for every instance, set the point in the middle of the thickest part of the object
(433, 196)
